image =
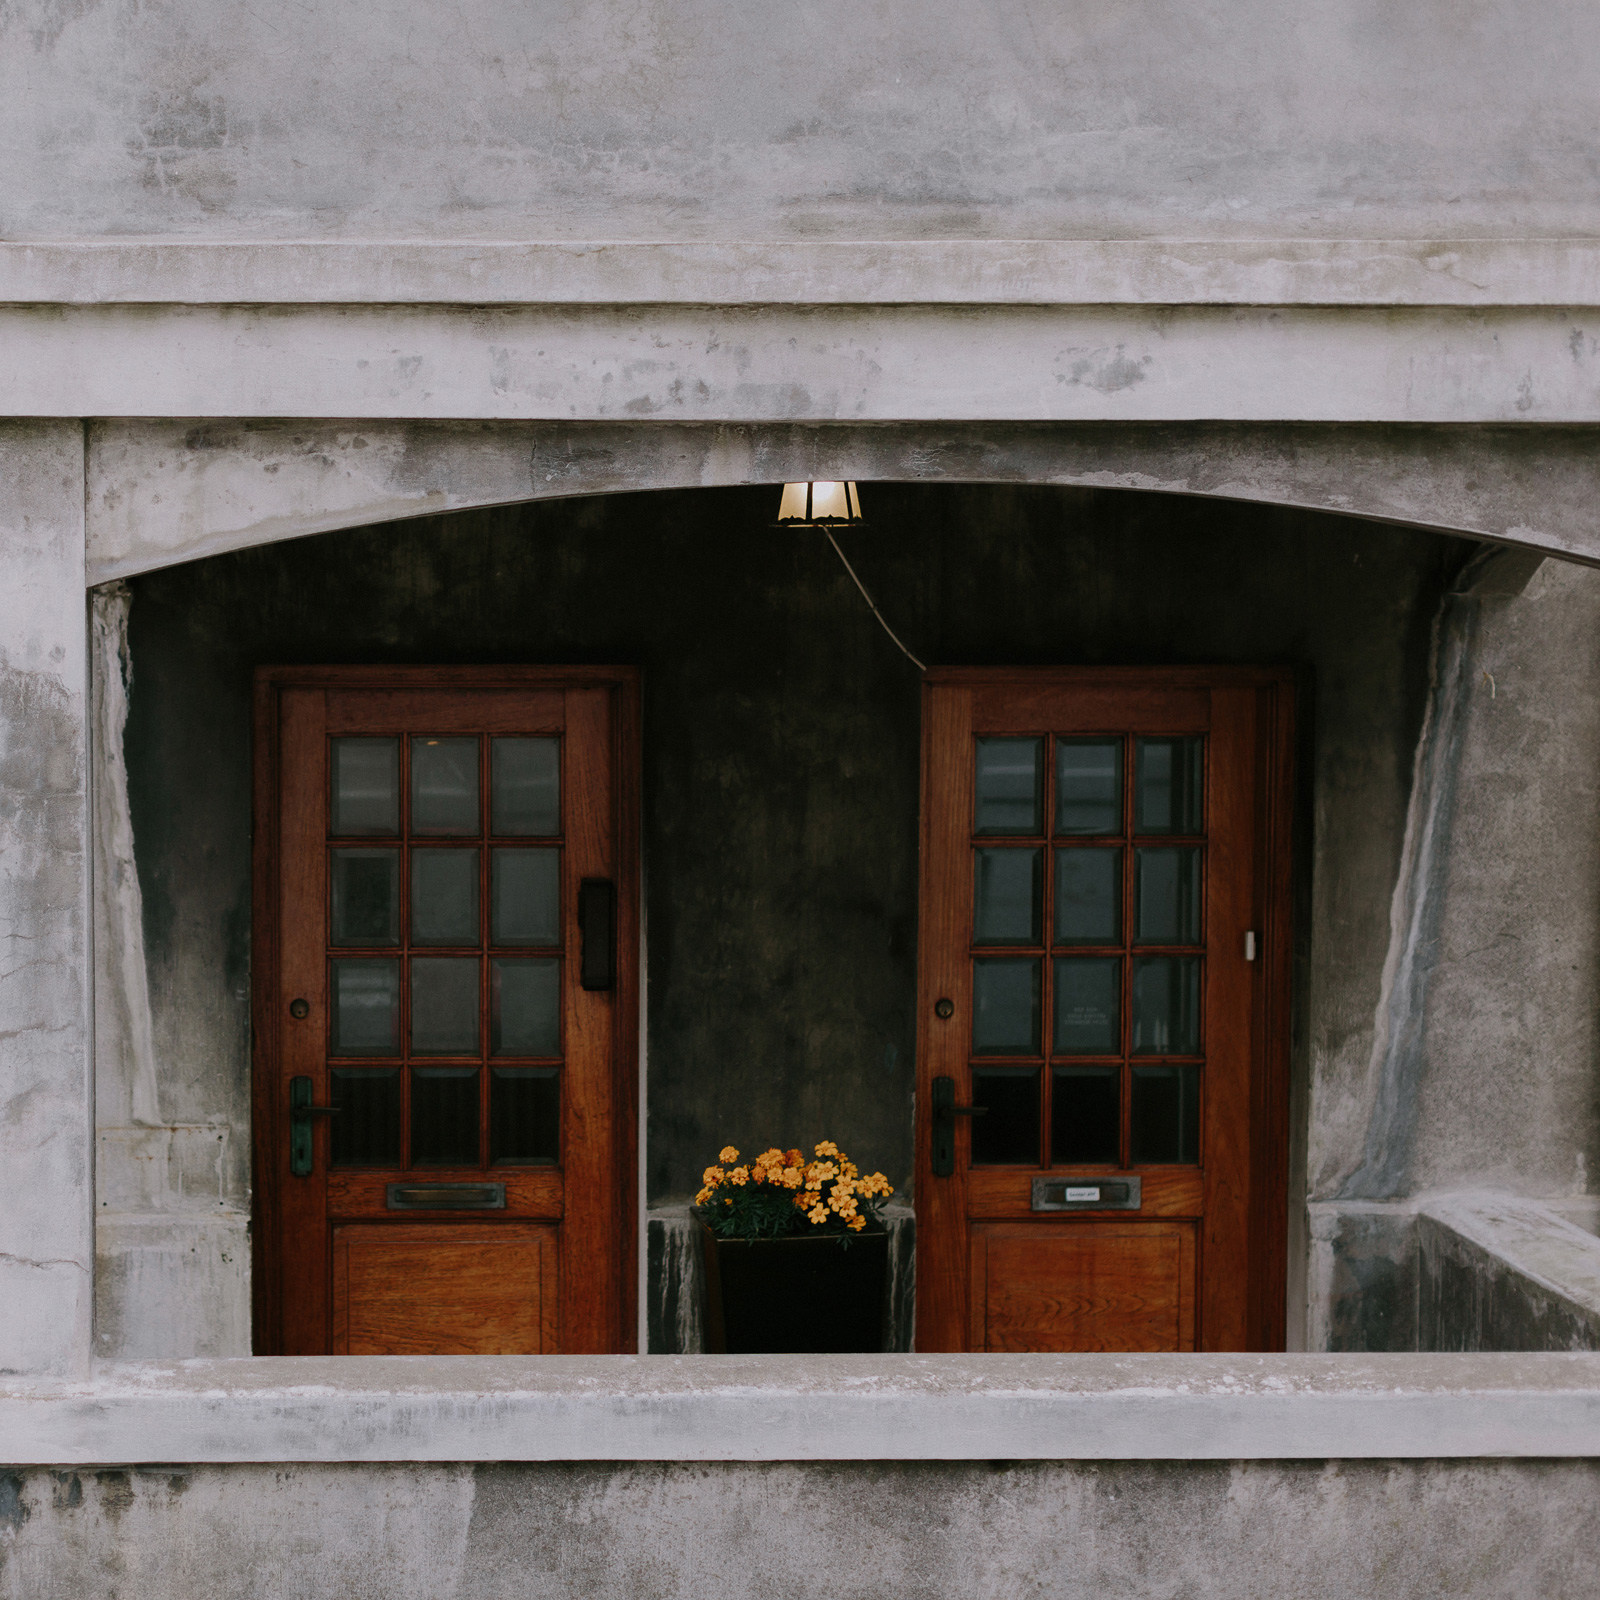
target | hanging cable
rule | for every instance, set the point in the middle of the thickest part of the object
(873, 604)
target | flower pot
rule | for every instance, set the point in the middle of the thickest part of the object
(818, 1293)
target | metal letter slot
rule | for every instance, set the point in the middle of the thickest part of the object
(1118, 1193)
(597, 925)
(447, 1196)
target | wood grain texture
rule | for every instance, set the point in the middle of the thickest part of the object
(534, 1192)
(1164, 1191)
(587, 1204)
(482, 1289)
(1236, 1199)
(944, 913)
(1064, 1286)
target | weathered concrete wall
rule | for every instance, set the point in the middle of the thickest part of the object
(1081, 1531)
(839, 120)
(781, 750)
(163, 492)
(45, 1159)
(1496, 1273)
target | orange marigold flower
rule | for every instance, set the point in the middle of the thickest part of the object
(826, 1148)
(795, 1159)
(739, 1175)
(818, 1214)
(727, 1154)
(858, 1223)
(712, 1176)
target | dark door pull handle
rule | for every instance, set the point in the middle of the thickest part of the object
(597, 928)
(301, 1111)
(945, 1112)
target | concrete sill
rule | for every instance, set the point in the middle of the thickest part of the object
(791, 1408)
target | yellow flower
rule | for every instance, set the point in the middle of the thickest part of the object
(858, 1223)
(704, 1195)
(794, 1159)
(792, 1177)
(826, 1148)
(818, 1214)
(727, 1154)
(740, 1176)
(712, 1176)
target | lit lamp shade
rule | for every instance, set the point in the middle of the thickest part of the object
(819, 505)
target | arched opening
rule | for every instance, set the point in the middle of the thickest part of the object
(779, 823)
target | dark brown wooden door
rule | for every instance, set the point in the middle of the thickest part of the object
(445, 1009)
(1102, 1126)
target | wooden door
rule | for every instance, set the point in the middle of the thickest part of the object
(1103, 1043)
(446, 1012)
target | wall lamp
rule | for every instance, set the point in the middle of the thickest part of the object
(820, 505)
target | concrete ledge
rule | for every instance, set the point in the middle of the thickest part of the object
(1347, 272)
(750, 1408)
(1500, 1273)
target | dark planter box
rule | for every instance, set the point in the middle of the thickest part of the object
(821, 1294)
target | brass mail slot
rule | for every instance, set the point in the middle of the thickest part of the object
(447, 1196)
(1118, 1193)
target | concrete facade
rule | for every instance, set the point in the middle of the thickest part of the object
(265, 275)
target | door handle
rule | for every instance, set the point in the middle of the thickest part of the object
(597, 928)
(301, 1111)
(945, 1112)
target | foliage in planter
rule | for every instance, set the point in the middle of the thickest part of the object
(780, 1194)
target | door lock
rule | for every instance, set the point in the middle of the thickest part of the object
(945, 1112)
(301, 1111)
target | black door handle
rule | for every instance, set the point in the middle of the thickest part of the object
(945, 1112)
(301, 1111)
(597, 928)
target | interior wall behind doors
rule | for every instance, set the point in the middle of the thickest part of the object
(780, 778)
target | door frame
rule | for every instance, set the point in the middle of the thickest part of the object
(266, 1010)
(943, 1317)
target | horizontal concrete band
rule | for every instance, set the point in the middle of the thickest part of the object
(1346, 272)
(790, 1408)
(790, 364)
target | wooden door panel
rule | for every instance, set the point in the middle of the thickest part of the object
(343, 1253)
(444, 1289)
(1199, 1113)
(1064, 1286)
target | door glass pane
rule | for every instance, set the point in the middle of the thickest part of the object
(525, 897)
(524, 1115)
(1166, 1114)
(444, 1116)
(1166, 1006)
(366, 1008)
(1166, 896)
(1087, 1006)
(366, 786)
(1088, 786)
(444, 1005)
(366, 1132)
(1085, 1117)
(1009, 1130)
(525, 787)
(1167, 785)
(444, 897)
(1088, 896)
(1005, 1006)
(525, 1008)
(1010, 785)
(1009, 899)
(444, 786)
(366, 897)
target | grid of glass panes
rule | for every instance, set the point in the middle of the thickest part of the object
(444, 966)
(1088, 949)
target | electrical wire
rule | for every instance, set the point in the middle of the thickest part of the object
(873, 603)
